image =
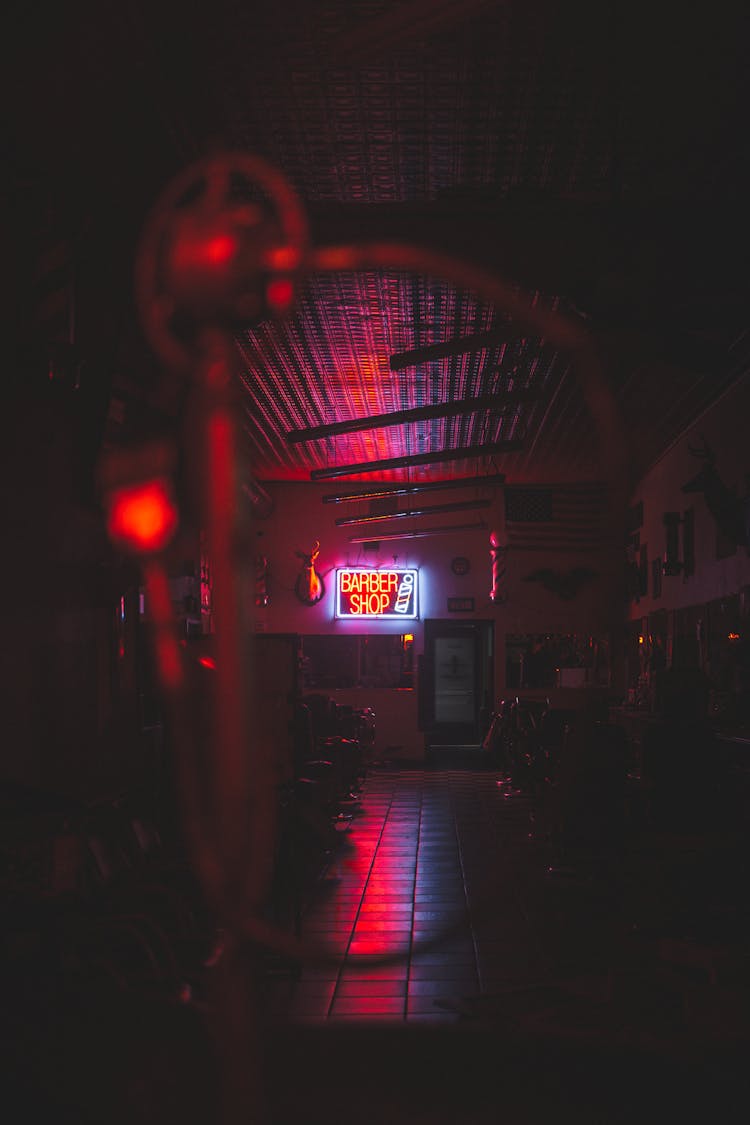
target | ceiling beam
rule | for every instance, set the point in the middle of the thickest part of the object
(406, 462)
(408, 488)
(459, 345)
(497, 403)
(405, 513)
(421, 533)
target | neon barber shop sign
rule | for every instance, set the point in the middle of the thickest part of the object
(386, 594)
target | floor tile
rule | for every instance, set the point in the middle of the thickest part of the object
(440, 957)
(386, 909)
(463, 971)
(368, 1005)
(396, 1018)
(377, 947)
(445, 987)
(427, 1005)
(387, 931)
(433, 1018)
(383, 987)
(440, 898)
(352, 971)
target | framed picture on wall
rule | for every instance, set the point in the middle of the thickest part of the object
(688, 543)
(643, 569)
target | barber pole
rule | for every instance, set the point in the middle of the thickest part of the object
(498, 593)
(261, 581)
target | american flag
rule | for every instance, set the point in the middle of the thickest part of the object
(566, 517)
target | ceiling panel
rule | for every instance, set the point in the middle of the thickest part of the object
(330, 361)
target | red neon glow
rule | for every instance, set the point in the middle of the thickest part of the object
(220, 248)
(207, 661)
(283, 258)
(212, 250)
(143, 517)
(168, 660)
(166, 645)
(279, 293)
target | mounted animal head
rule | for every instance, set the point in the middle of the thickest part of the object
(708, 476)
(309, 586)
(729, 512)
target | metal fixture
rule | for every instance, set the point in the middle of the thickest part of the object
(479, 525)
(488, 450)
(497, 403)
(458, 346)
(407, 489)
(404, 513)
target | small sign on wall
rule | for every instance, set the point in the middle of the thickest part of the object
(460, 605)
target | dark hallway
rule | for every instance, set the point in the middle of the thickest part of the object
(376, 496)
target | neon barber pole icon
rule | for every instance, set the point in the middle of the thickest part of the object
(404, 595)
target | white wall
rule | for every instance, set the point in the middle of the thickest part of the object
(726, 427)
(300, 517)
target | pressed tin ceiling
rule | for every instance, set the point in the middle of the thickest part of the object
(593, 154)
(330, 362)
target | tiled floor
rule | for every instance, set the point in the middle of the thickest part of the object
(408, 909)
(440, 907)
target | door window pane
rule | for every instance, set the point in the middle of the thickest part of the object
(454, 680)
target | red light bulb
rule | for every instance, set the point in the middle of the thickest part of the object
(143, 517)
(199, 249)
(280, 294)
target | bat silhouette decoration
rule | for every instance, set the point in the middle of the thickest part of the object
(732, 514)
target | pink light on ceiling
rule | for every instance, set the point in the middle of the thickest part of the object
(329, 362)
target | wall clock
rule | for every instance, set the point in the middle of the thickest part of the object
(460, 565)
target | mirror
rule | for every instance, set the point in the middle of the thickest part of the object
(547, 660)
(367, 661)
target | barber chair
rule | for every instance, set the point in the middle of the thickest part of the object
(329, 724)
(522, 744)
(588, 807)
